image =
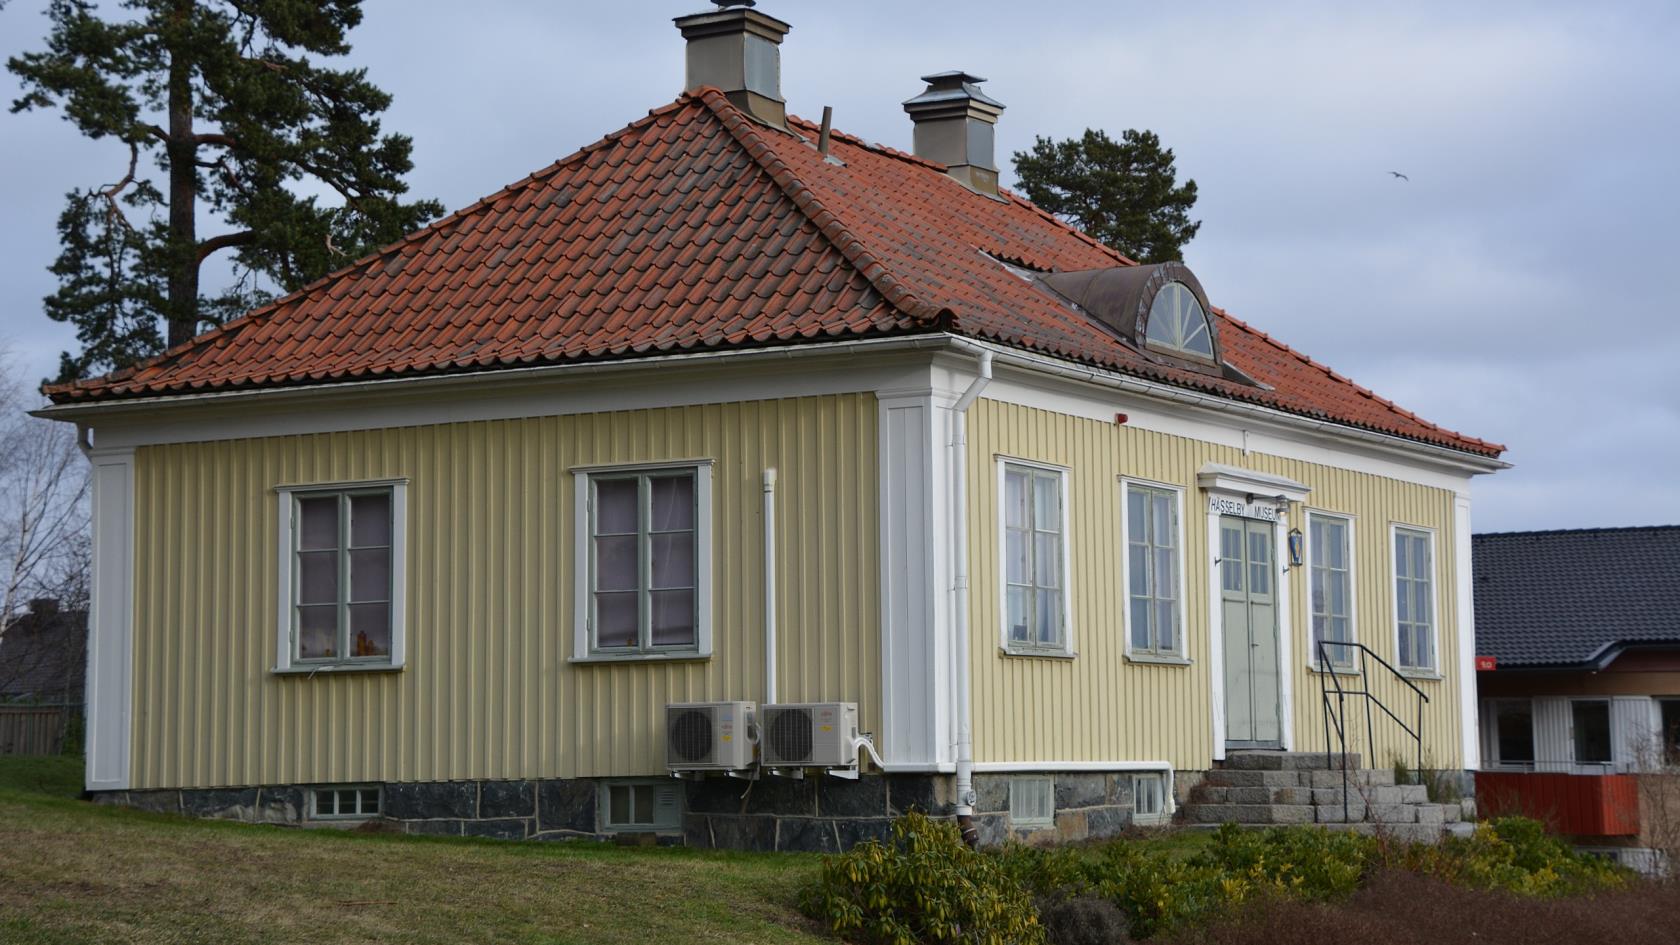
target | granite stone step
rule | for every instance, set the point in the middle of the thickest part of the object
(1226, 777)
(1250, 813)
(1286, 760)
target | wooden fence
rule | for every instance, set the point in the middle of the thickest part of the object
(31, 730)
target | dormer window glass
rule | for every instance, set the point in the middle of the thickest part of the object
(1178, 322)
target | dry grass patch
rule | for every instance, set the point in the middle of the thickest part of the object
(74, 872)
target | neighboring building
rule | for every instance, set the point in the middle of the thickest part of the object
(43, 656)
(1582, 704)
(444, 533)
(43, 663)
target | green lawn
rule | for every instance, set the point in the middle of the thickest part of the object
(73, 872)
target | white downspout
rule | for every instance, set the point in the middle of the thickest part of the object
(770, 586)
(962, 710)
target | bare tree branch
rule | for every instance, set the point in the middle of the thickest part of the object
(211, 245)
(112, 211)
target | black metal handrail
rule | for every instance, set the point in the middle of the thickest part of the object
(1337, 721)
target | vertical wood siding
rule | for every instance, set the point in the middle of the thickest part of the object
(1099, 706)
(487, 691)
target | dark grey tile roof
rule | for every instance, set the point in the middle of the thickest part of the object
(1562, 597)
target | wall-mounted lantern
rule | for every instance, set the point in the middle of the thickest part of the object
(1294, 547)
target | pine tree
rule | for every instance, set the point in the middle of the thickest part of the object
(1123, 193)
(226, 100)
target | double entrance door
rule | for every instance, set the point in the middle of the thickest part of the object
(1248, 597)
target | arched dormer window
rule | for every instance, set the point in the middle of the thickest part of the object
(1177, 322)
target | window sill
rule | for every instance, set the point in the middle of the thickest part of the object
(690, 657)
(311, 669)
(1018, 653)
(1423, 675)
(1155, 660)
(1333, 670)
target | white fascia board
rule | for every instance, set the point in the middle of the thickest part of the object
(1062, 387)
(1033, 380)
(641, 383)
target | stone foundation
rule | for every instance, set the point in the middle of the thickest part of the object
(820, 813)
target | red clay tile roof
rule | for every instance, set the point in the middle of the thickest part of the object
(697, 228)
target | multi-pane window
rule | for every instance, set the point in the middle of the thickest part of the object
(640, 806)
(1414, 598)
(1154, 601)
(1149, 798)
(1332, 587)
(346, 802)
(643, 561)
(1034, 558)
(342, 575)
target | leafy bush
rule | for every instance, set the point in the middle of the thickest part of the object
(927, 887)
(1308, 864)
(1514, 854)
(923, 887)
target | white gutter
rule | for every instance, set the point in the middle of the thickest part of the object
(962, 710)
(484, 381)
(770, 586)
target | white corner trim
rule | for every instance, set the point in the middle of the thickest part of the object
(110, 670)
(1067, 650)
(1216, 637)
(286, 586)
(1125, 538)
(581, 524)
(1466, 632)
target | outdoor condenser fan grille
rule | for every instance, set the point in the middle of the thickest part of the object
(691, 735)
(789, 735)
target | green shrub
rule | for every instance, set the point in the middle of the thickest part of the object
(1514, 854)
(1301, 863)
(923, 887)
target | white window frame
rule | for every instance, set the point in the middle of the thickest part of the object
(1045, 788)
(603, 801)
(1351, 525)
(1161, 816)
(316, 793)
(1433, 670)
(284, 658)
(1616, 736)
(1008, 647)
(1180, 654)
(583, 646)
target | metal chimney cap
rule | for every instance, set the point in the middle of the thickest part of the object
(945, 88)
(736, 3)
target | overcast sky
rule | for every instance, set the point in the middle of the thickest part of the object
(1522, 287)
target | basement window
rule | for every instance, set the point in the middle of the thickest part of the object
(344, 803)
(1149, 799)
(1032, 802)
(641, 807)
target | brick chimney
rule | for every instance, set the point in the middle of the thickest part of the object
(739, 50)
(955, 124)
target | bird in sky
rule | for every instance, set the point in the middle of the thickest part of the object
(1400, 176)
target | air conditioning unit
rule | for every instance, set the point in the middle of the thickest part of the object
(709, 736)
(809, 735)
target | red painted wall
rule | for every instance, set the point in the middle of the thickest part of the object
(1576, 805)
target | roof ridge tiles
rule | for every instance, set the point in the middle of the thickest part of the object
(832, 228)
